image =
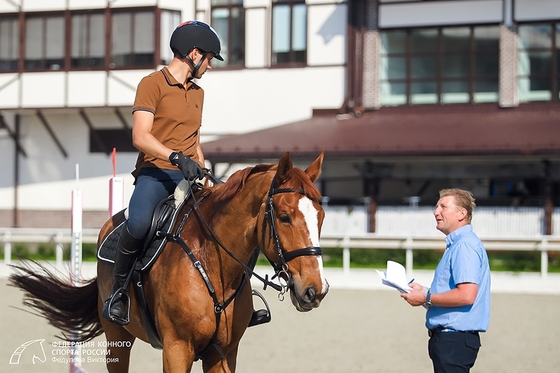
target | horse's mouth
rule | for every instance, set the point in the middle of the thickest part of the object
(306, 300)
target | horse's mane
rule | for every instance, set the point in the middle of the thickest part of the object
(298, 181)
(224, 192)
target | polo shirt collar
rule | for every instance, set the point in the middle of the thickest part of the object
(171, 79)
(453, 236)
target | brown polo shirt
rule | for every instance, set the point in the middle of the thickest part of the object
(177, 115)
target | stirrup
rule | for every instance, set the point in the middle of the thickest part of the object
(262, 316)
(107, 315)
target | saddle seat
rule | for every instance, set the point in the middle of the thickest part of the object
(163, 220)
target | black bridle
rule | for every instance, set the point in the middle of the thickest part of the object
(281, 268)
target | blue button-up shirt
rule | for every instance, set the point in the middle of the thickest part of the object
(465, 260)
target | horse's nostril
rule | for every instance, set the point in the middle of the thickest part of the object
(309, 295)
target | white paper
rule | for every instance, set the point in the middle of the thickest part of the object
(395, 277)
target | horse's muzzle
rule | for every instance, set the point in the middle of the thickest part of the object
(308, 298)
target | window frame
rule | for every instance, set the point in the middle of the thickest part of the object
(133, 12)
(32, 60)
(15, 39)
(88, 14)
(292, 60)
(228, 40)
(438, 80)
(44, 17)
(553, 75)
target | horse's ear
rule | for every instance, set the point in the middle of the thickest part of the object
(284, 168)
(314, 169)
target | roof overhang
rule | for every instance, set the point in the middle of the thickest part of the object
(412, 131)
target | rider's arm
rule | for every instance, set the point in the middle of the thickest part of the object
(143, 139)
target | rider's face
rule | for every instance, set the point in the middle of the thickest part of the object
(205, 65)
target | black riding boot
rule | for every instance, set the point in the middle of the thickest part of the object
(116, 307)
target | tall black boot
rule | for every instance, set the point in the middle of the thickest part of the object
(116, 306)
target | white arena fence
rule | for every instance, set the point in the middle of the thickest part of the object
(419, 221)
(397, 227)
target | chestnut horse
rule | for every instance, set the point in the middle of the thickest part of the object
(201, 307)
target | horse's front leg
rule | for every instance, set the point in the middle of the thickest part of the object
(178, 357)
(215, 363)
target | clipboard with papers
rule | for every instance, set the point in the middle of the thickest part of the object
(395, 277)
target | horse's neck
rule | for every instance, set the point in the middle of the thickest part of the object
(236, 223)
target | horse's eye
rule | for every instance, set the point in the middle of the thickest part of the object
(285, 218)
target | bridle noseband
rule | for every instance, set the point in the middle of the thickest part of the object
(281, 268)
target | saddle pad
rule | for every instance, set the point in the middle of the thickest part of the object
(108, 249)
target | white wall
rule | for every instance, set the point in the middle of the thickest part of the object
(531, 10)
(248, 100)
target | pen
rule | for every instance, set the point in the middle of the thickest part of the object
(411, 281)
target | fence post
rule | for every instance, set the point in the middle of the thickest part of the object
(7, 248)
(59, 251)
(544, 257)
(409, 257)
(346, 255)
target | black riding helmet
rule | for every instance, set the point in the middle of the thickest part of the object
(195, 34)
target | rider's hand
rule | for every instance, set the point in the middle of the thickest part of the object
(191, 170)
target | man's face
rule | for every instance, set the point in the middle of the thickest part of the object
(448, 215)
(205, 64)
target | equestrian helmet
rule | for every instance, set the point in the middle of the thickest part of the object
(195, 34)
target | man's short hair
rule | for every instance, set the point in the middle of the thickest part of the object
(463, 199)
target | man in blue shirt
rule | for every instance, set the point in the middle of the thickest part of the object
(458, 301)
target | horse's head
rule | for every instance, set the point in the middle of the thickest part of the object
(291, 225)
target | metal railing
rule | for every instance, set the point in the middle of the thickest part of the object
(59, 237)
(542, 243)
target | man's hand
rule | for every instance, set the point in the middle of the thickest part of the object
(416, 297)
(190, 169)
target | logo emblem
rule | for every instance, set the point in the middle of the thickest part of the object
(37, 349)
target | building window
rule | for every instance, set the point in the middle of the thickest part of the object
(9, 43)
(104, 140)
(538, 62)
(169, 21)
(133, 39)
(228, 19)
(289, 32)
(88, 40)
(440, 65)
(44, 42)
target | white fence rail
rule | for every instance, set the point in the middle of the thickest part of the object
(542, 243)
(408, 220)
(59, 237)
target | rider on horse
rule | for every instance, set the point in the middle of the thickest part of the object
(167, 116)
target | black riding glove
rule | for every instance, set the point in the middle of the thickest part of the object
(191, 170)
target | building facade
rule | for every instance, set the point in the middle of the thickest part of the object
(69, 69)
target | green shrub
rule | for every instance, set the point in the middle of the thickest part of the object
(46, 251)
(21, 250)
(89, 251)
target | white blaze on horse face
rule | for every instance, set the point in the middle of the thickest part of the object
(310, 214)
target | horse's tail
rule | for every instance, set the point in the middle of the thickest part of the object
(69, 308)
